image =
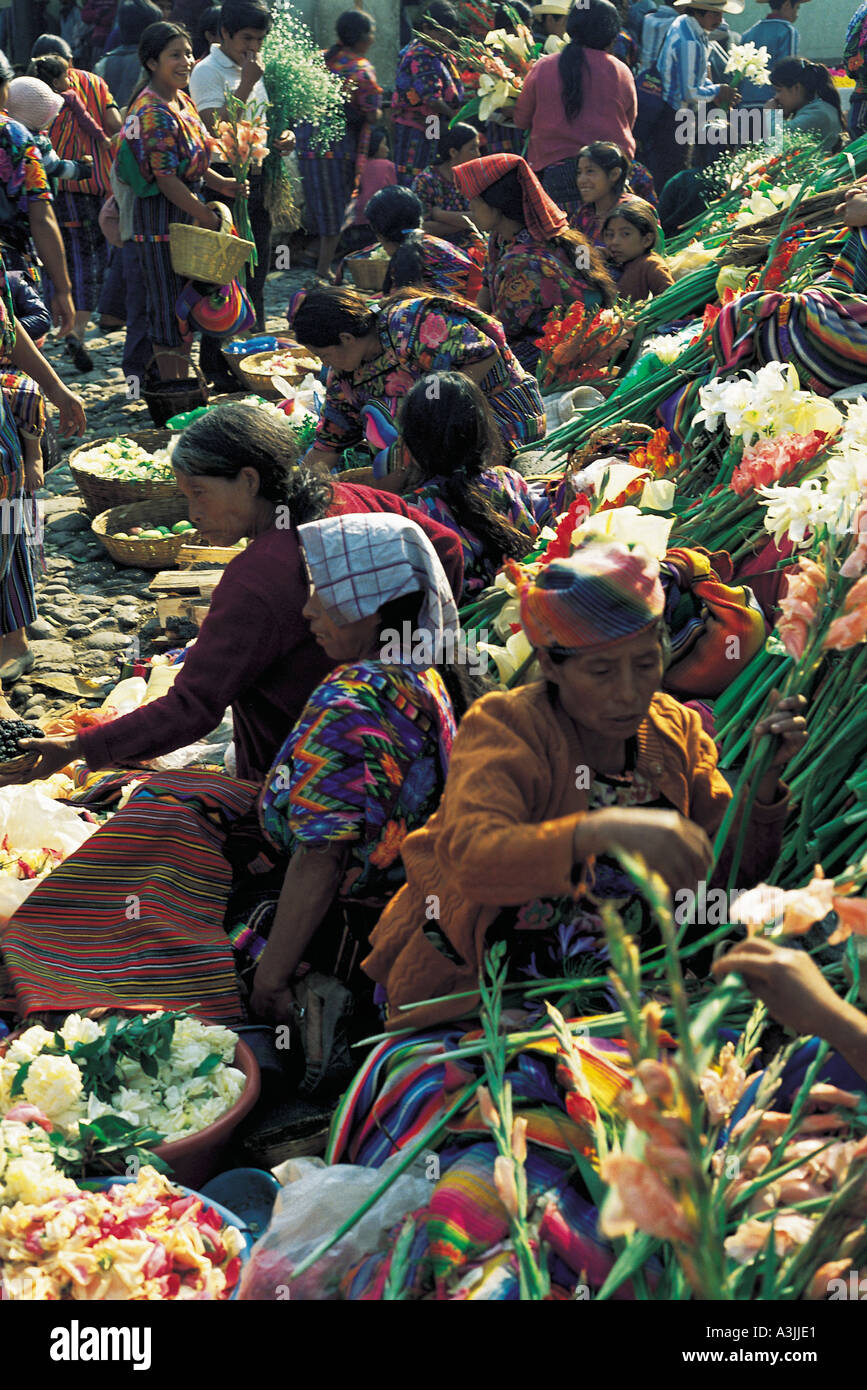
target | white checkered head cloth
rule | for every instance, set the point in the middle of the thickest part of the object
(359, 561)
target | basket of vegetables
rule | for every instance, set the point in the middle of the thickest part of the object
(125, 468)
(12, 731)
(147, 535)
(291, 363)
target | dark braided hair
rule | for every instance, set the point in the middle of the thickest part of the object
(452, 436)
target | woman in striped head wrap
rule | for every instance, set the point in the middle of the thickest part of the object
(548, 781)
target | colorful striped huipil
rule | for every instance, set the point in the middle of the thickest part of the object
(164, 138)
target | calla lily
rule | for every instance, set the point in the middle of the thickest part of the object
(629, 525)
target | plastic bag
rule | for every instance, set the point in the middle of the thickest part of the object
(29, 820)
(309, 1210)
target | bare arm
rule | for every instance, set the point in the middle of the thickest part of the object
(113, 122)
(183, 197)
(49, 244)
(27, 356)
(311, 882)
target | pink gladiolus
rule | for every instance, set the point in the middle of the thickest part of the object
(805, 583)
(790, 1230)
(489, 1111)
(519, 1139)
(723, 1088)
(804, 906)
(855, 564)
(504, 1181)
(851, 918)
(769, 460)
(656, 1080)
(638, 1198)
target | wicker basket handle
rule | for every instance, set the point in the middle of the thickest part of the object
(181, 355)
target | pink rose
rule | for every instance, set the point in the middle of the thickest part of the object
(398, 383)
(433, 331)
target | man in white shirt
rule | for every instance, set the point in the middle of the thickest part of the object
(233, 66)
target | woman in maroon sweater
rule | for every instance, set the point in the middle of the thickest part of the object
(237, 466)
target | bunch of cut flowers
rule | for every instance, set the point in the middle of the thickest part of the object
(737, 1199)
(578, 346)
(243, 144)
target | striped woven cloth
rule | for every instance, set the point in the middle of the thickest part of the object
(134, 918)
(403, 1089)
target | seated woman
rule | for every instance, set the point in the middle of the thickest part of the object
(809, 101)
(378, 352)
(453, 471)
(237, 467)
(535, 262)
(366, 762)
(418, 259)
(445, 209)
(547, 781)
(631, 231)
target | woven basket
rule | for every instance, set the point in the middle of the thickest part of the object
(367, 273)
(101, 492)
(146, 555)
(217, 258)
(250, 371)
(167, 398)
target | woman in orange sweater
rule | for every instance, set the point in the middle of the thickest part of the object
(548, 781)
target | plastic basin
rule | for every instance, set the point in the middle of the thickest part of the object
(195, 1159)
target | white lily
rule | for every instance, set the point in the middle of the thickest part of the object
(495, 93)
(629, 525)
(793, 511)
(511, 657)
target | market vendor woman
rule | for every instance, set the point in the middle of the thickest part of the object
(378, 352)
(548, 781)
(255, 652)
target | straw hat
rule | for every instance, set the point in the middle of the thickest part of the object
(723, 6)
(556, 7)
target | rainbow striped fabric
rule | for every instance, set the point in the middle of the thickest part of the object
(134, 919)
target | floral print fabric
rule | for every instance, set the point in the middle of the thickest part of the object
(508, 494)
(364, 766)
(416, 336)
(526, 280)
(22, 172)
(422, 78)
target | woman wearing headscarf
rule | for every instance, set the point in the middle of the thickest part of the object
(571, 98)
(536, 262)
(366, 762)
(376, 353)
(256, 653)
(547, 782)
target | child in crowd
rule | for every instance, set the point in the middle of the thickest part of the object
(379, 172)
(603, 173)
(631, 233)
(34, 104)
